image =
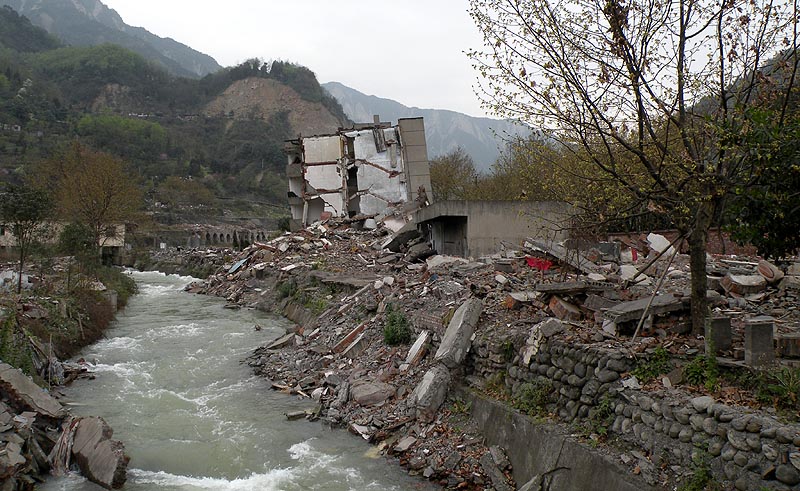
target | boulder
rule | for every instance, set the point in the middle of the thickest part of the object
(431, 392)
(23, 392)
(101, 459)
(457, 338)
(368, 393)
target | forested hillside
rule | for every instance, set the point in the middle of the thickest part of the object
(114, 100)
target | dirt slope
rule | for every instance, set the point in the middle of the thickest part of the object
(264, 97)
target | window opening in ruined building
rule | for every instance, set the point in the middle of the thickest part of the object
(380, 141)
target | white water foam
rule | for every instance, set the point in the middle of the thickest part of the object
(272, 480)
(120, 343)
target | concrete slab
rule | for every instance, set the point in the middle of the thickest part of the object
(457, 338)
(23, 391)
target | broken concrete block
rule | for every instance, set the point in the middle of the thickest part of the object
(540, 332)
(659, 243)
(436, 261)
(431, 392)
(597, 303)
(419, 348)
(564, 310)
(721, 334)
(495, 474)
(356, 347)
(22, 391)
(758, 341)
(769, 271)
(369, 393)
(404, 444)
(457, 338)
(516, 300)
(101, 459)
(628, 271)
(743, 284)
(349, 338)
(788, 345)
(418, 252)
(790, 282)
(633, 310)
(282, 341)
(406, 234)
(11, 460)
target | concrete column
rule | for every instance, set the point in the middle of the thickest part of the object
(758, 341)
(720, 335)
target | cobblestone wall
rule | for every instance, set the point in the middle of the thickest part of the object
(745, 448)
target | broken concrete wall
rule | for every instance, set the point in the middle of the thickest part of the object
(491, 225)
(361, 171)
(415, 156)
(380, 177)
(548, 456)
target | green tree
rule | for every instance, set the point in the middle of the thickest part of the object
(653, 95)
(766, 209)
(25, 209)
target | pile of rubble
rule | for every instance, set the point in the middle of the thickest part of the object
(37, 436)
(341, 285)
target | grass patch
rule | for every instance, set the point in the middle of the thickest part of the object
(533, 397)
(701, 478)
(656, 364)
(703, 370)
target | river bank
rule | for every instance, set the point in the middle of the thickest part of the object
(58, 313)
(168, 377)
(386, 339)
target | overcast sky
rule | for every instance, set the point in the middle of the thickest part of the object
(411, 51)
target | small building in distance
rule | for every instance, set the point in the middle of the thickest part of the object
(111, 240)
(371, 171)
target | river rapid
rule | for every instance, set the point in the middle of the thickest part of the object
(192, 417)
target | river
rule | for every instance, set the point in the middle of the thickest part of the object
(170, 381)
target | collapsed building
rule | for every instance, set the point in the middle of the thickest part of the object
(376, 172)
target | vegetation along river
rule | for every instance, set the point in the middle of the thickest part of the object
(170, 383)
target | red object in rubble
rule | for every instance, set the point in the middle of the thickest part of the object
(540, 264)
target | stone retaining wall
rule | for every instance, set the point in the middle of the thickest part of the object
(743, 447)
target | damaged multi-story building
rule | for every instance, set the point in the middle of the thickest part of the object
(376, 171)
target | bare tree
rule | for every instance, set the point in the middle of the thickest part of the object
(653, 94)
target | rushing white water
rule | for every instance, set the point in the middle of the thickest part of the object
(170, 382)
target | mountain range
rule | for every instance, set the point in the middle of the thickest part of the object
(91, 22)
(482, 138)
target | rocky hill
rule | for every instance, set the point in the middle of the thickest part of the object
(90, 23)
(481, 138)
(264, 98)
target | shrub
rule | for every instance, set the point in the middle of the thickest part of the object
(396, 330)
(703, 370)
(532, 397)
(286, 289)
(656, 364)
(781, 386)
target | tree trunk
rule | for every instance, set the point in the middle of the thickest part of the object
(698, 245)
